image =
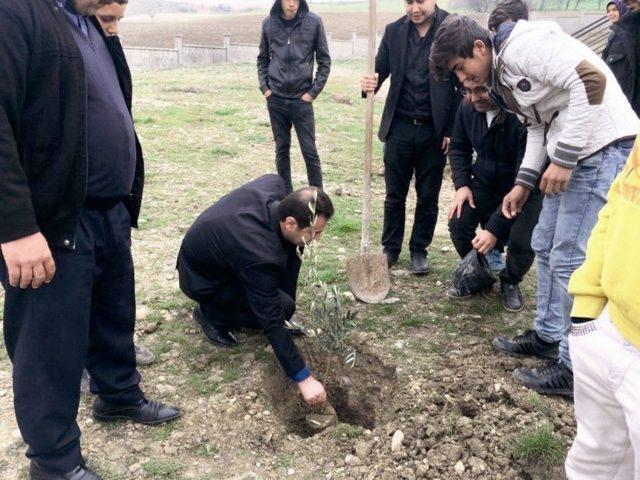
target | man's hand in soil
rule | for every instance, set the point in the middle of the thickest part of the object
(555, 180)
(369, 83)
(267, 93)
(312, 392)
(484, 242)
(307, 98)
(29, 261)
(462, 196)
(514, 201)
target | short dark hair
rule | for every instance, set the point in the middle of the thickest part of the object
(297, 205)
(507, 10)
(455, 38)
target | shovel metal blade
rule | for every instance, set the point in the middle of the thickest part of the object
(369, 276)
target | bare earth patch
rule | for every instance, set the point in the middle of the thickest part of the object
(425, 366)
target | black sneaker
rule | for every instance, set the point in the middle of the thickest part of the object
(554, 378)
(511, 297)
(527, 345)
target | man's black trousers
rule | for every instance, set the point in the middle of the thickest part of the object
(284, 113)
(224, 304)
(411, 149)
(85, 316)
(487, 198)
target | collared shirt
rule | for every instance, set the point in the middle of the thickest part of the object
(74, 17)
(415, 97)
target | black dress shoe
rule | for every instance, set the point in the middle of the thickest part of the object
(555, 378)
(36, 472)
(146, 412)
(419, 263)
(526, 345)
(392, 258)
(215, 336)
(511, 297)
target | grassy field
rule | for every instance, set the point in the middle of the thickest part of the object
(205, 132)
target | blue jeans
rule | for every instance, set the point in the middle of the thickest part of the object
(560, 239)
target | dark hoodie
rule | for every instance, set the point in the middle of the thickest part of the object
(285, 62)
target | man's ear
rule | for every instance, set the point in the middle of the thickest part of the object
(480, 46)
(290, 224)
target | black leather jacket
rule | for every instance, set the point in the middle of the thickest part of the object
(286, 59)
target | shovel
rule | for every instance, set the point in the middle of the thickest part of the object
(368, 272)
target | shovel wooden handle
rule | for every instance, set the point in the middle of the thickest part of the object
(368, 138)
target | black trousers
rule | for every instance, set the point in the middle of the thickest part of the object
(411, 149)
(520, 255)
(285, 113)
(85, 316)
(229, 309)
(224, 302)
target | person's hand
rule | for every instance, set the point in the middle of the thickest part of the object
(307, 98)
(267, 94)
(555, 180)
(484, 242)
(462, 196)
(29, 261)
(313, 392)
(445, 144)
(514, 201)
(369, 83)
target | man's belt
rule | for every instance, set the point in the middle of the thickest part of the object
(102, 204)
(413, 120)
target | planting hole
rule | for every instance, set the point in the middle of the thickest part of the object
(361, 395)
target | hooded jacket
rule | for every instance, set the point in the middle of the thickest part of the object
(622, 55)
(286, 59)
(570, 99)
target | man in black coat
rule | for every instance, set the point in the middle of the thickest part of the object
(69, 193)
(498, 140)
(240, 262)
(415, 126)
(622, 53)
(292, 38)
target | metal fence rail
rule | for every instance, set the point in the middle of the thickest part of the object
(595, 35)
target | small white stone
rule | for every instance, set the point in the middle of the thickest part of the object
(396, 441)
(291, 471)
(391, 300)
(166, 389)
(459, 468)
(352, 461)
(349, 297)
(142, 312)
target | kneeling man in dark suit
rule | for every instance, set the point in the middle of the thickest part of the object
(240, 262)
